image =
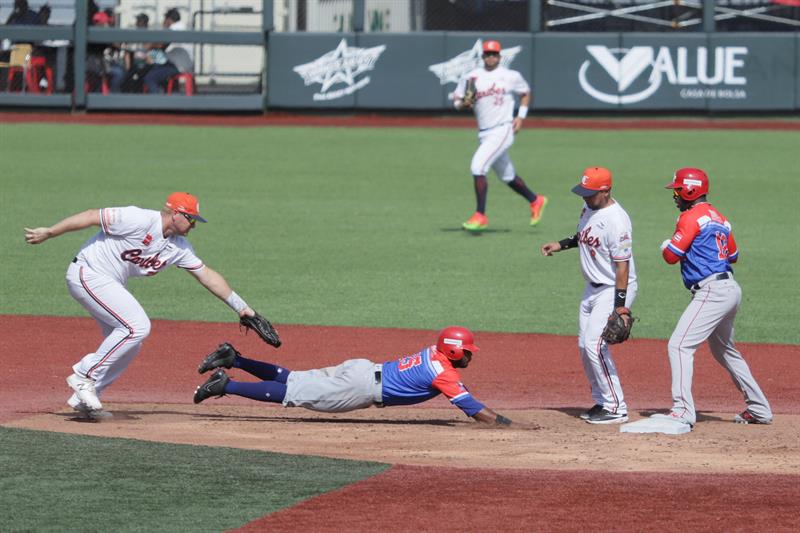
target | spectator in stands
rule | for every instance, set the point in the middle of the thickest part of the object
(161, 68)
(22, 14)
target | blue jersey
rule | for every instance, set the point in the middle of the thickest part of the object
(419, 377)
(703, 242)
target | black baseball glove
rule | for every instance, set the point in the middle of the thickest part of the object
(619, 325)
(262, 327)
(470, 93)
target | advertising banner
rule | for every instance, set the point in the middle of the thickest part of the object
(589, 71)
(566, 74)
(401, 77)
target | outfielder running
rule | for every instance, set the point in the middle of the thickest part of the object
(356, 383)
(493, 102)
(132, 242)
(703, 243)
(605, 241)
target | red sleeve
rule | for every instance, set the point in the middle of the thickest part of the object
(685, 232)
(449, 382)
(733, 251)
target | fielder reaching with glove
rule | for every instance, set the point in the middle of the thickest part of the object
(356, 383)
(132, 242)
(604, 239)
(489, 90)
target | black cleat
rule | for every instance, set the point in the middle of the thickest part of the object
(591, 412)
(214, 386)
(221, 357)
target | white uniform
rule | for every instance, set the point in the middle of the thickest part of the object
(605, 237)
(129, 244)
(494, 110)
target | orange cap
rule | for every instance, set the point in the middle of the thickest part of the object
(186, 203)
(593, 180)
(491, 46)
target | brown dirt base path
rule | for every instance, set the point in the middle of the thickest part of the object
(565, 475)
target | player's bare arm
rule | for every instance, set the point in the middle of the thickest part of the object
(78, 221)
(489, 417)
(550, 248)
(522, 112)
(216, 285)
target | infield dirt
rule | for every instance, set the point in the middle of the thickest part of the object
(533, 379)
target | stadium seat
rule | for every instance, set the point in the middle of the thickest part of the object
(188, 80)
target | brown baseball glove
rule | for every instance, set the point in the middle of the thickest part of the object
(470, 93)
(618, 327)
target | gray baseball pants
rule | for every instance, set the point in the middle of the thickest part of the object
(710, 316)
(354, 384)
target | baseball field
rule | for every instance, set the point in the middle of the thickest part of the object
(346, 233)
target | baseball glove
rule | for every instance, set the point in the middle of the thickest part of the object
(262, 327)
(470, 93)
(618, 329)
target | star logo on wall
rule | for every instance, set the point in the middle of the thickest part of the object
(341, 65)
(453, 69)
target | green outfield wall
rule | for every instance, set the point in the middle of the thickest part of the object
(708, 71)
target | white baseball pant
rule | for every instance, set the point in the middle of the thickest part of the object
(597, 304)
(710, 316)
(493, 153)
(122, 320)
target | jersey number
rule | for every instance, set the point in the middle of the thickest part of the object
(722, 245)
(411, 361)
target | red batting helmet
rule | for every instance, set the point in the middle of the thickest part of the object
(454, 341)
(690, 183)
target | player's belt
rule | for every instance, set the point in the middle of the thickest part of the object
(74, 259)
(377, 376)
(597, 285)
(715, 277)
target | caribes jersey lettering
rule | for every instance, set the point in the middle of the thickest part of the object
(131, 243)
(585, 237)
(152, 262)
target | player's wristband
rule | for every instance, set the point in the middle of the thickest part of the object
(619, 297)
(502, 421)
(235, 302)
(522, 112)
(569, 242)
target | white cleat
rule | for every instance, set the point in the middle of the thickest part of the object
(83, 410)
(84, 390)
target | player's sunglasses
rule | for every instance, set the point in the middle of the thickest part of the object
(675, 193)
(491, 54)
(191, 221)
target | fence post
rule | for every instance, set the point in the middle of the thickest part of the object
(535, 16)
(359, 6)
(79, 53)
(709, 24)
(267, 26)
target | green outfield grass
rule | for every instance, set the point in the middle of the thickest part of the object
(361, 227)
(57, 482)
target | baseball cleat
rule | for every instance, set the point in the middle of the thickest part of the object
(748, 418)
(223, 356)
(537, 209)
(591, 412)
(84, 390)
(214, 386)
(82, 410)
(604, 416)
(477, 222)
